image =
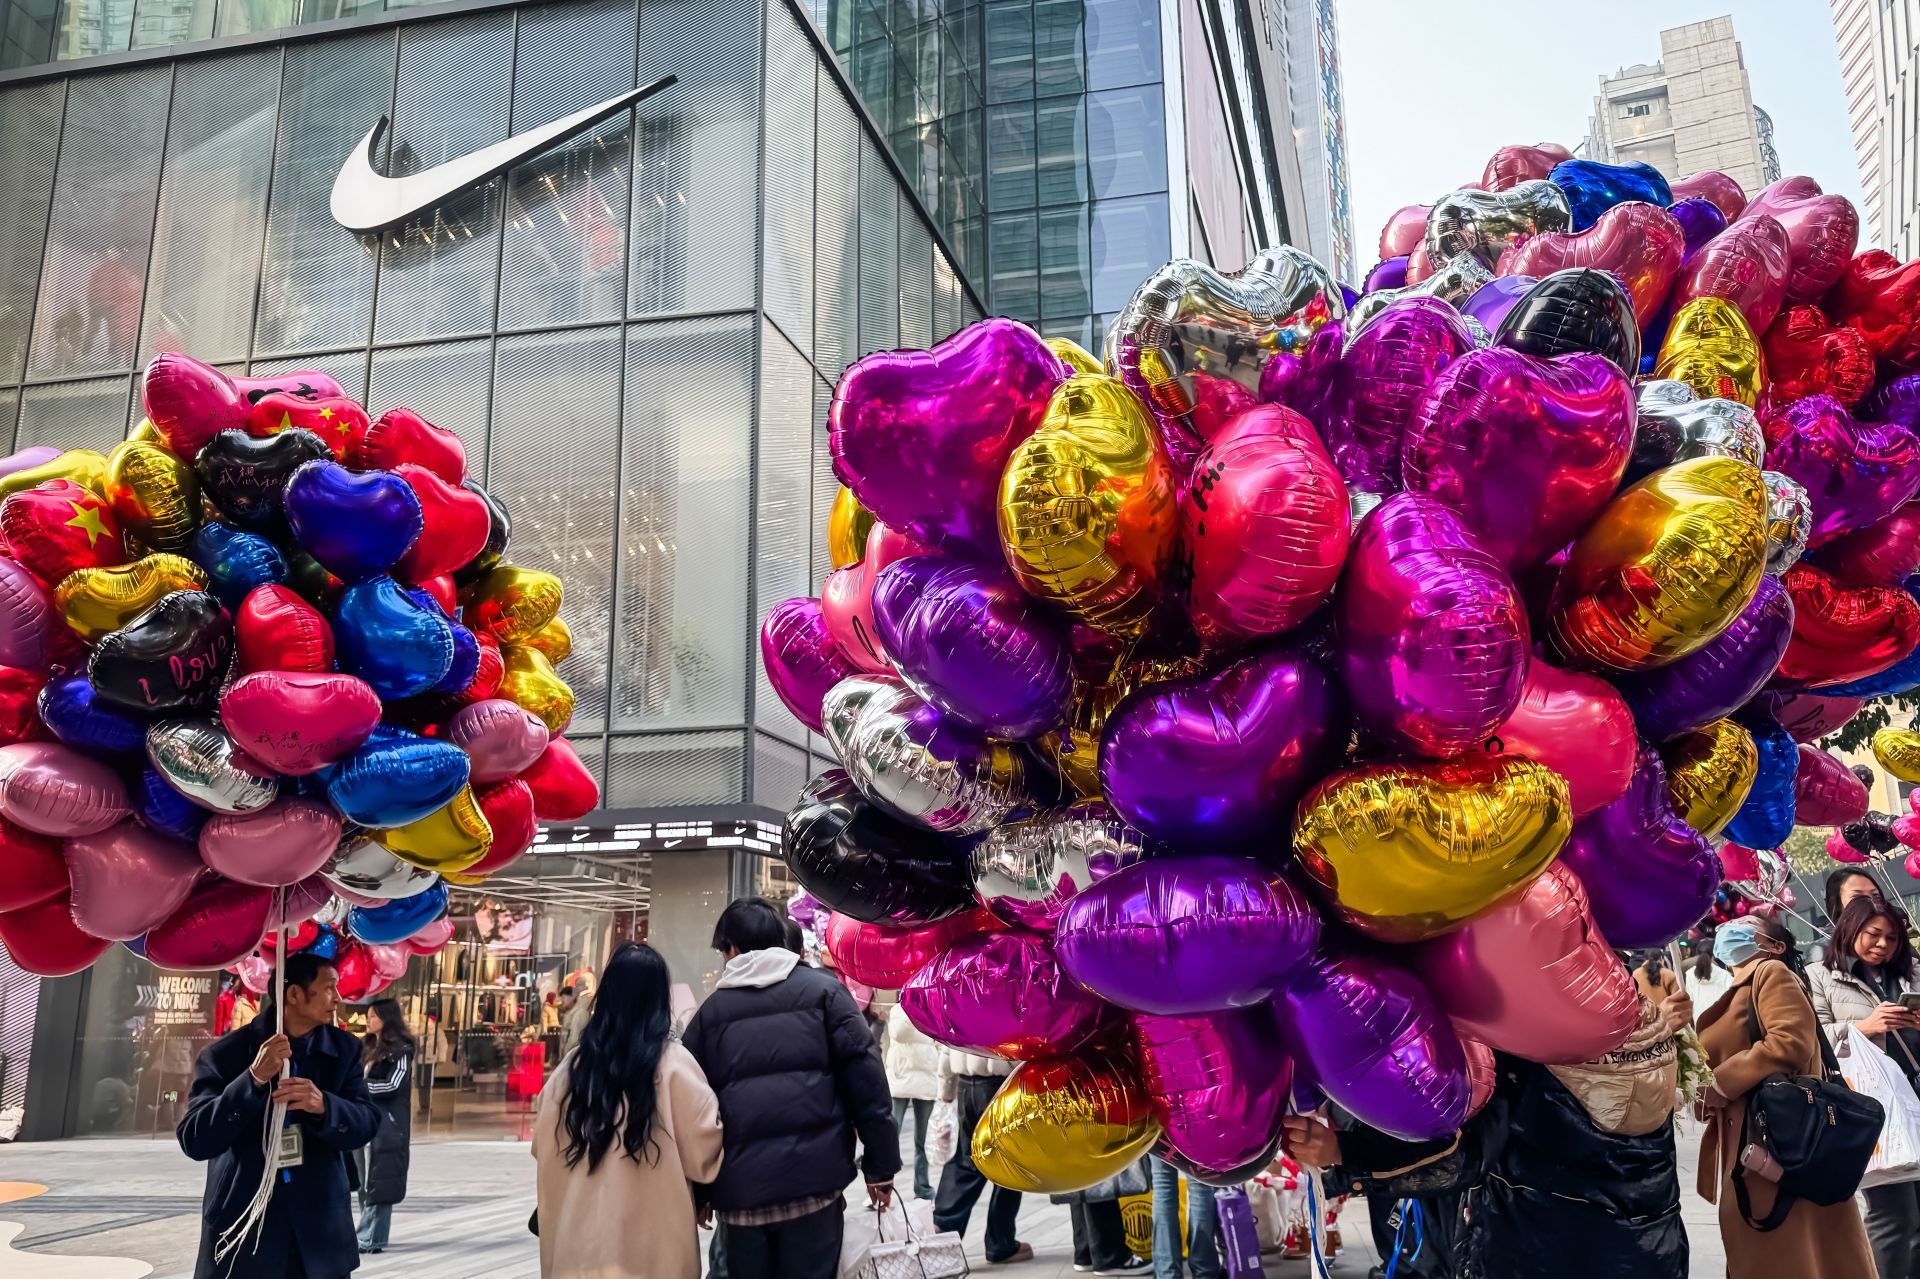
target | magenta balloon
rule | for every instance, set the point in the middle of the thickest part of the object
(27, 459)
(390, 962)
(1746, 264)
(1373, 393)
(219, 924)
(921, 437)
(1492, 300)
(1219, 1085)
(501, 740)
(272, 847)
(255, 973)
(1856, 473)
(1718, 678)
(1283, 377)
(299, 722)
(1433, 633)
(1841, 851)
(1822, 232)
(800, 657)
(1535, 976)
(1825, 791)
(304, 900)
(56, 790)
(1001, 993)
(1649, 876)
(126, 879)
(432, 937)
(1811, 716)
(27, 619)
(1714, 187)
(1183, 935)
(1377, 1044)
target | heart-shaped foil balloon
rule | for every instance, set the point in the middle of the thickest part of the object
(864, 863)
(1060, 1126)
(1746, 265)
(1809, 355)
(275, 630)
(1879, 296)
(1572, 311)
(1673, 425)
(78, 716)
(1390, 273)
(1710, 346)
(848, 524)
(362, 867)
(172, 656)
(507, 808)
(1219, 1085)
(60, 528)
(800, 658)
(1492, 301)
(1001, 993)
(500, 739)
(563, 787)
(1699, 221)
(1767, 817)
(36, 868)
(198, 758)
(1856, 473)
(280, 845)
(155, 495)
(1086, 506)
(1576, 725)
(1811, 716)
(529, 681)
(98, 601)
(1845, 633)
(887, 958)
(452, 838)
(403, 436)
(1510, 166)
(1709, 772)
(1453, 284)
(1648, 875)
(1639, 244)
(1027, 872)
(1766, 879)
(236, 562)
(356, 525)
(1821, 230)
(220, 923)
(397, 645)
(299, 722)
(336, 419)
(1826, 792)
(189, 403)
(1717, 678)
(1404, 852)
(1591, 188)
(1789, 522)
(1714, 186)
(27, 619)
(846, 600)
(396, 777)
(1372, 390)
(246, 476)
(1484, 223)
(1884, 553)
(511, 603)
(83, 467)
(1405, 230)
(1898, 750)
(455, 523)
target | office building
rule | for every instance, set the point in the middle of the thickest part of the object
(1879, 45)
(1320, 133)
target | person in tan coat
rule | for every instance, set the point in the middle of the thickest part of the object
(1764, 1025)
(624, 1125)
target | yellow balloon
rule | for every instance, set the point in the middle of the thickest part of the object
(1087, 512)
(530, 684)
(511, 603)
(143, 433)
(1060, 1126)
(555, 639)
(1665, 568)
(1075, 356)
(84, 467)
(1898, 750)
(450, 838)
(99, 601)
(1711, 348)
(1075, 749)
(1709, 772)
(1409, 851)
(848, 524)
(155, 494)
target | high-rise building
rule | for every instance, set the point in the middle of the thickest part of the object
(1689, 112)
(1320, 132)
(1879, 47)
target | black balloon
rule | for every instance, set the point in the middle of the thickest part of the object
(171, 657)
(861, 862)
(499, 533)
(312, 582)
(246, 474)
(1865, 775)
(1571, 311)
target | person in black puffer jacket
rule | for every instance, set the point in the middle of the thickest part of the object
(798, 1076)
(388, 1059)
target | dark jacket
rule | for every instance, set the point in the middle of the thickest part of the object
(797, 1074)
(309, 1213)
(390, 1084)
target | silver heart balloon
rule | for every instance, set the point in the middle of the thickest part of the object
(908, 758)
(1027, 872)
(334, 913)
(201, 761)
(1769, 882)
(1789, 520)
(1674, 426)
(1484, 223)
(362, 867)
(1453, 284)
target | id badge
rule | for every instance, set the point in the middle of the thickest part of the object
(292, 1148)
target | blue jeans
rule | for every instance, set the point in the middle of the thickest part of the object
(1202, 1257)
(375, 1221)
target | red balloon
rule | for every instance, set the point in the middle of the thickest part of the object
(401, 435)
(336, 419)
(1885, 553)
(276, 630)
(1746, 264)
(562, 787)
(45, 941)
(32, 868)
(885, 958)
(1510, 166)
(1879, 296)
(19, 705)
(1825, 791)
(508, 808)
(59, 527)
(1577, 725)
(1841, 634)
(355, 967)
(456, 522)
(299, 937)
(1809, 355)
(444, 593)
(220, 923)
(1640, 244)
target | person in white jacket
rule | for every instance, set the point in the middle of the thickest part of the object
(913, 1077)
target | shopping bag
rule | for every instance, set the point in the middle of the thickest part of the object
(900, 1243)
(1239, 1238)
(1269, 1212)
(943, 1130)
(1871, 1072)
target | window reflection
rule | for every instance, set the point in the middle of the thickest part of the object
(446, 383)
(73, 415)
(29, 136)
(26, 32)
(89, 28)
(1126, 141)
(1123, 42)
(1130, 240)
(676, 768)
(242, 17)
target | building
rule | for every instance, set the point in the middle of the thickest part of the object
(1320, 133)
(1689, 112)
(1879, 44)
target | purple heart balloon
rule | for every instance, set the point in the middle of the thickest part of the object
(1492, 300)
(800, 657)
(1374, 391)
(1378, 1044)
(1649, 876)
(1001, 993)
(502, 740)
(1432, 630)
(1854, 472)
(127, 879)
(968, 639)
(1217, 761)
(1720, 677)
(357, 525)
(1700, 220)
(26, 459)
(1388, 273)
(1896, 401)
(1177, 936)
(1219, 1085)
(922, 436)
(27, 619)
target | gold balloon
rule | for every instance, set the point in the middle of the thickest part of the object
(1409, 851)
(848, 524)
(512, 604)
(530, 684)
(1665, 568)
(99, 601)
(1087, 512)
(1711, 348)
(1075, 750)
(450, 838)
(459, 880)
(555, 639)
(84, 467)
(1060, 1126)
(1075, 356)
(155, 494)
(1898, 750)
(1709, 772)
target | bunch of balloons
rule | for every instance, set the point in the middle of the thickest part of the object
(1305, 698)
(265, 663)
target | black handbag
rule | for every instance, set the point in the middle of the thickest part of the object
(1817, 1129)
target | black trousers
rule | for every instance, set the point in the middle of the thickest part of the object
(805, 1248)
(961, 1182)
(1099, 1235)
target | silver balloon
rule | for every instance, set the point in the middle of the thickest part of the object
(1674, 426)
(1453, 283)
(1478, 332)
(1769, 881)
(1484, 223)
(1789, 520)
(1027, 872)
(362, 867)
(908, 758)
(201, 761)
(334, 913)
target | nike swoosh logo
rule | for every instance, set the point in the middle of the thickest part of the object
(366, 200)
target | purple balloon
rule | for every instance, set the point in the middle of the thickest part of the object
(1378, 1044)
(1720, 677)
(27, 619)
(1219, 760)
(1178, 936)
(501, 740)
(127, 879)
(1001, 993)
(968, 639)
(1219, 1085)
(1388, 273)
(1897, 401)
(1855, 472)
(1700, 220)
(1372, 393)
(25, 459)
(1492, 300)
(1282, 379)
(1432, 629)
(801, 660)
(1649, 876)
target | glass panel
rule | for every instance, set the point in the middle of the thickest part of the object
(330, 10)
(555, 441)
(158, 23)
(29, 135)
(682, 629)
(565, 256)
(946, 310)
(879, 264)
(1056, 47)
(916, 278)
(241, 17)
(675, 768)
(1010, 144)
(1130, 239)
(787, 236)
(1009, 51)
(826, 486)
(1063, 151)
(89, 28)
(88, 317)
(836, 263)
(1016, 266)
(1066, 267)
(1126, 142)
(26, 33)
(779, 772)
(213, 208)
(783, 502)
(349, 369)
(317, 292)
(446, 383)
(1079, 328)
(74, 415)
(440, 272)
(1123, 42)
(9, 417)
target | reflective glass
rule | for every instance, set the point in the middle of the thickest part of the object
(779, 772)
(1009, 51)
(89, 28)
(1126, 141)
(916, 277)
(158, 23)
(446, 383)
(783, 515)
(836, 232)
(74, 415)
(330, 10)
(1062, 132)
(1066, 266)
(1130, 239)
(29, 137)
(26, 32)
(787, 248)
(242, 17)
(879, 253)
(1058, 62)
(675, 768)
(349, 369)
(1123, 42)
(1014, 254)
(9, 417)
(1010, 148)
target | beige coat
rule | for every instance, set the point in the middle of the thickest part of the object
(628, 1219)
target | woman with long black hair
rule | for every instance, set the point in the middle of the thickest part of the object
(625, 1123)
(388, 1054)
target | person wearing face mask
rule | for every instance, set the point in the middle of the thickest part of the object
(1764, 1025)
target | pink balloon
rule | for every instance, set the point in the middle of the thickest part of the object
(299, 722)
(1577, 725)
(846, 600)
(1811, 716)
(1714, 187)
(1822, 231)
(255, 973)
(189, 402)
(1746, 264)
(389, 962)
(361, 899)
(1825, 791)
(801, 658)
(1405, 231)
(1219, 1084)
(1911, 863)
(303, 901)
(272, 847)
(1841, 851)
(501, 740)
(431, 938)
(27, 619)
(1738, 862)
(56, 790)
(1906, 829)
(127, 878)
(1482, 1074)
(1510, 166)
(219, 924)
(1001, 993)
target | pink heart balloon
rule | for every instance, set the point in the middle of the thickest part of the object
(1365, 398)
(801, 658)
(1841, 851)
(846, 600)
(1825, 791)
(1714, 187)
(432, 937)
(1822, 230)
(501, 740)
(274, 846)
(56, 790)
(1405, 230)
(1527, 450)
(1577, 725)
(1641, 244)
(1218, 1084)
(1885, 553)
(127, 878)
(27, 620)
(1856, 473)
(189, 402)
(219, 924)
(299, 722)
(1746, 264)
(1002, 993)
(303, 901)
(1907, 830)
(389, 962)
(1739, 862)
(1811, 716)
(1510, 166)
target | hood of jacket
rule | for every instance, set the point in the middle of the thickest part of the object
(1630, 1091)
(758, 969)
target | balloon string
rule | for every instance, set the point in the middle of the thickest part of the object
(247, 1231)
(1311, 1176)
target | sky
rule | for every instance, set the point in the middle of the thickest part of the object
(1433, 89)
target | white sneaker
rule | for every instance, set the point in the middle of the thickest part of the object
(1133, 1266)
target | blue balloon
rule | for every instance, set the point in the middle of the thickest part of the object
(71, 708)
(466, 661)
(326, 945)
(235, 561)
(356, 525)
(387, 639)
(137, 945)
(395, 778)
(397, 920)
(159, 806)
(1766, 819)
(1592, 188)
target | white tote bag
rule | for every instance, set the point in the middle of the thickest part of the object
(899, 1243)
(1872, 1073)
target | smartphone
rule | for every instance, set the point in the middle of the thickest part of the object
(1911, 1000)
